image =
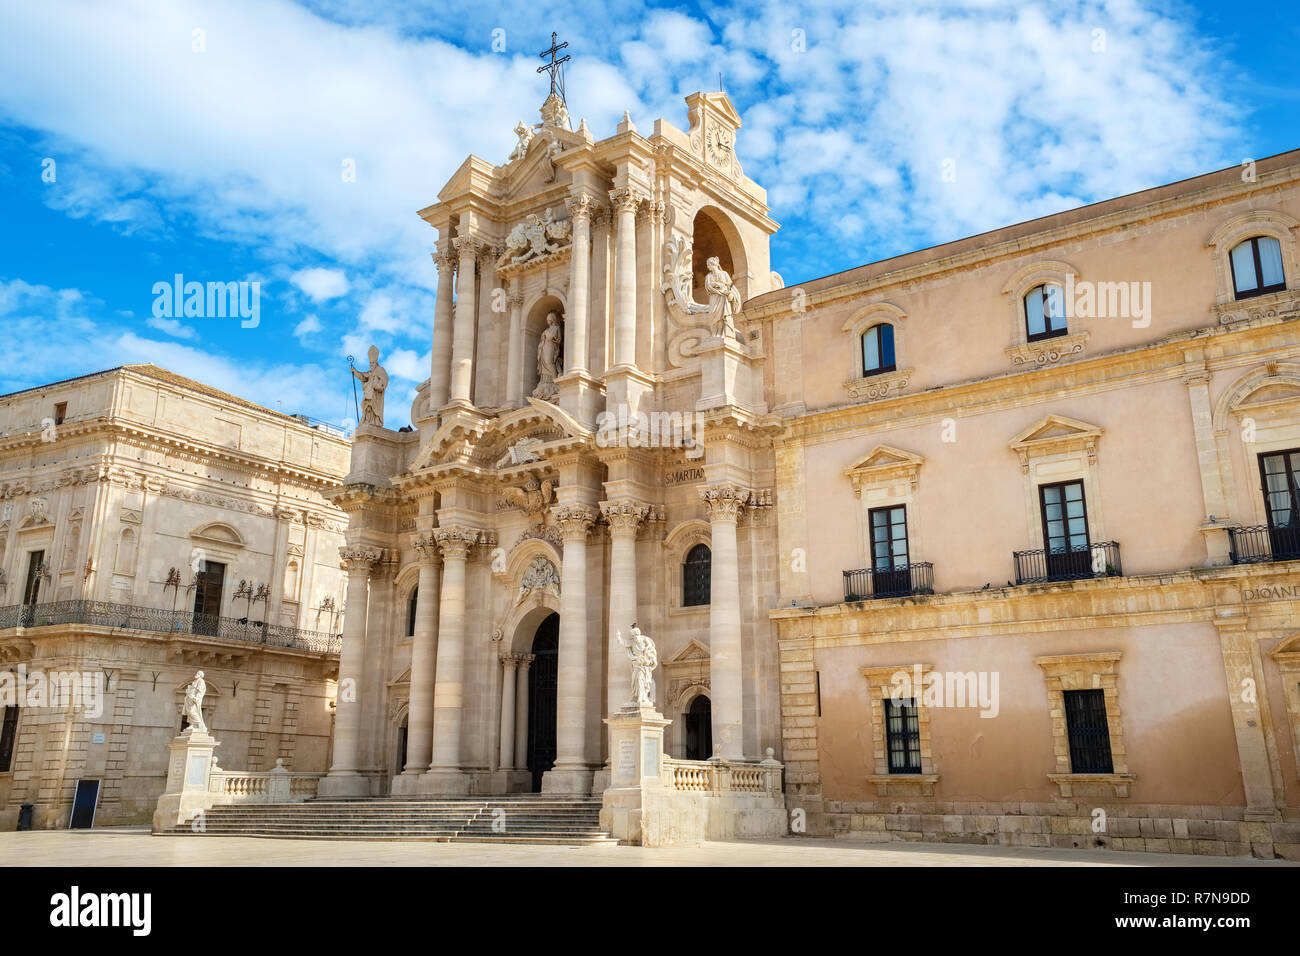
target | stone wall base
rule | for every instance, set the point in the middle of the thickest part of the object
(658, 817)
(1206, 831)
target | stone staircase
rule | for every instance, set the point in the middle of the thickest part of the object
(528, 819)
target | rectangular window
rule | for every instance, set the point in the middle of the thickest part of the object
(32, 588)
(60, 411)
(903, 735)
(889, 556)
(1065, 530)
(878, 349)
(1279, 474)
(208, 586)
(8, 735)
(1045, 312)
(1085, 719)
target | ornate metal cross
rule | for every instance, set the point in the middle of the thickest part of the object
(555, 67)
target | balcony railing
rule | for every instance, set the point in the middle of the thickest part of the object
(866, 584)
(161, 620)
(1262, 543)
(1097, 560)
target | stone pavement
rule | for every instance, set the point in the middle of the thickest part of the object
(134, 846)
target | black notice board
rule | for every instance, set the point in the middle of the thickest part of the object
(84, 805)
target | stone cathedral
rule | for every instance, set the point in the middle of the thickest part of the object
(593, 449)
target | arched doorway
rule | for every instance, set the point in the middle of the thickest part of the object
(542, 681)
(699, 729)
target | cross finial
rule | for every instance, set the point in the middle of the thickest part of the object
(555, 67)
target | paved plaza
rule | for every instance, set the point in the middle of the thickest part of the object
(134, 846)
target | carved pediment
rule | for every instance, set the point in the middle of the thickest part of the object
(694, 652)
(1056, 434)
(884, 464)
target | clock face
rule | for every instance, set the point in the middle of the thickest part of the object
(721, 146)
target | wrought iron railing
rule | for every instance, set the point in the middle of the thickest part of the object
(1097, 560)
(866, 584)
(1262, 543)
(161, 620)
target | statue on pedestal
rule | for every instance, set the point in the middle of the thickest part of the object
(645, 658)
(194, 692)
(548, 359)
(373, 382)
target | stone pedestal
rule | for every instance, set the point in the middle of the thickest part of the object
(581, 395)
(728, 376)
(636, 749)
(188, 768)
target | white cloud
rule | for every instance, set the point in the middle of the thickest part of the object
(172, 327)
(307, 326)
(320, 284)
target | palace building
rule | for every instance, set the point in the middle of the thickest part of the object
(151, 526)
(989, 542)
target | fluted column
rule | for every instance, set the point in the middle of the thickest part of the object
(440, 370)
(509, 665)
(462, 341)
(343, 777)
(419, 724)
(623, 517)
(448, 690)
(515, 348)
(723, 504)
(571, 773)
(625, 201)
(521, 712)
(575, 348)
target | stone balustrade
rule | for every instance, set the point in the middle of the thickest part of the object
(723, 776)
(273, 786)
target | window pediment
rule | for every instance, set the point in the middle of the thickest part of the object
(882, 465)
(1056, 434)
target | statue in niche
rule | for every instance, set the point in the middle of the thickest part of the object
(645, 658)
(373, 382)
(194, 692)
(724, 296)
(549, 357)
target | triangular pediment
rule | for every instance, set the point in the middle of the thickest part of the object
(1054, 429)
(693, 652)
(886, 456)
(883, 464)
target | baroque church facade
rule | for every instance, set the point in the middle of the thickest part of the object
(986, 543)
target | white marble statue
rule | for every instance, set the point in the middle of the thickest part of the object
(724, 295)
(194, 692)
(373, 382)
(548, 358)
(645, 658)
(525, 134)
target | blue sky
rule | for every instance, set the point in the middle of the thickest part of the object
(220, 154)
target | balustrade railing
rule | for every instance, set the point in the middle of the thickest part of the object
(1261, 543)
(1098, 560)
(273, 786)
(723, 776)
(161, 620)
(866, 584)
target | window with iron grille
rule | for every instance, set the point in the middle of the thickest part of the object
(903, 735)
(695, 576)
(8, 734)
(1085, 720)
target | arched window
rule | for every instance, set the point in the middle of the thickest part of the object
(878, 349)
(410, 612)
(1045, 312)
(695, 576)
(1257, 267)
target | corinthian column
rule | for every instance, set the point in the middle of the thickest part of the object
(462, 342)
(572, 773)
(723, 504)
(343, 779)
(623, 518)
(575, 347)
(625, 201)
(440, 371)
(445, 774)
(419, 728)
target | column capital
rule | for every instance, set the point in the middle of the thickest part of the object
(426, 546)
(515, 300)
(455, 542)
(445, 260)
(624, 516)
(626, 198)
(575, 521)
(724, 502)
(469, 247)
(583, 207)
(359, 558)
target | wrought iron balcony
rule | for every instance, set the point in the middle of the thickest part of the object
(161, 620)
(1261, 543)
(866, 584)
(1098, 560)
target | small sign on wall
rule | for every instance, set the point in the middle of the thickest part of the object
(96, 738)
